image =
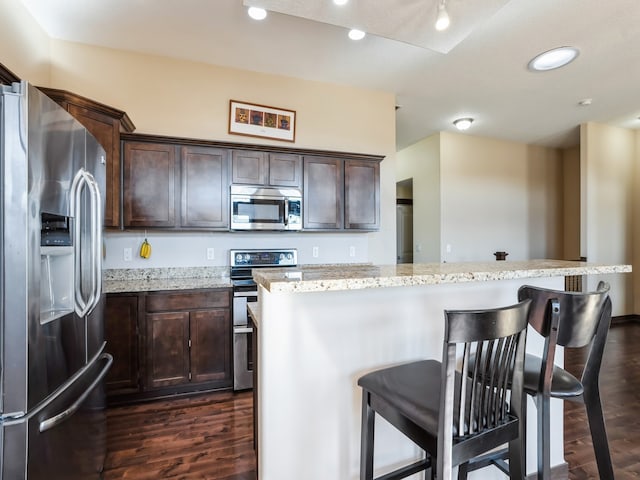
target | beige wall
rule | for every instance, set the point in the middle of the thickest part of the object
(173, 97)
(24, 47)
(421, 162)
(474, 196)
(499, 196)
(607, 162)
(571, 202)
(636, 229)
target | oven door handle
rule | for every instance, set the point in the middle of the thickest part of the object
(242, 330)
(245, 294)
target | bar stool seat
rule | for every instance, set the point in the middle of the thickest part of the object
(563, 384)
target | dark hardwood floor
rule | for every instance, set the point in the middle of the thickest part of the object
(620, 394)
(210, 436)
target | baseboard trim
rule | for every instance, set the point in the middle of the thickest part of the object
(558, 472)
(625, 319)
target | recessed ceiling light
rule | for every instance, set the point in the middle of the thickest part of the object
(556, 58)
(463, 123)
(257, 13)
(585, 102)
(340, 2)
(355, 34)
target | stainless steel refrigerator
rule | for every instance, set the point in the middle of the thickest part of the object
(52, 359)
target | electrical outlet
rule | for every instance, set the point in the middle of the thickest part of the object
(315, 252)
(211, 254)
(448, 248)
(127, 254)
(352, 251)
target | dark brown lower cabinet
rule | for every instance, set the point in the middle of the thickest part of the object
(121, 333)
(167, 343)
(188, 339)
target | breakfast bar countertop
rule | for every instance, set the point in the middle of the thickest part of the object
(355, 277)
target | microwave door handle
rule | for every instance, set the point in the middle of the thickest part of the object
(286, 212)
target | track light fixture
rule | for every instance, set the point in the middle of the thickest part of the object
(442, 20)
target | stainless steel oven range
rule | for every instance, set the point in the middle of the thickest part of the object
(245, 291)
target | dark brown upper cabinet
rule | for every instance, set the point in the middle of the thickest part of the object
(361, 195)
(149, 182)
(175, 187)
(106, 124)
(205, 187)
(180, 183)
(341, 194)
(262, 168)
(322, 193)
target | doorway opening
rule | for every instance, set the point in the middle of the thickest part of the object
(404, 221)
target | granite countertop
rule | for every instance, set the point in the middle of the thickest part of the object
(157, 279)
(355, 277)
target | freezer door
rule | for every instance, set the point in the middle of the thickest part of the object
(64, 438)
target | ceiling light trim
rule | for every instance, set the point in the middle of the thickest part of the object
(463, 123)
(553, 59)
(257, 13)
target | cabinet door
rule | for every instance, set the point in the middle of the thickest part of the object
(149, 180)
(167, 346)
(211, 346)
(285, 170)
(121, 334)
(106, 131)
(205, 187)
(249, 167)
(323, 190)
(361, 195)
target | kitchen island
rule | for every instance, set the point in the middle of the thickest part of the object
(321, 328)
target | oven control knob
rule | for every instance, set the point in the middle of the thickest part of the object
(282, 257)
(289, 256)
(238, 257)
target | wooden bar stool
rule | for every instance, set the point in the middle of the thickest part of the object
(584, 321)
(451, 416)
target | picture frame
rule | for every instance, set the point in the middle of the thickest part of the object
(264, 121)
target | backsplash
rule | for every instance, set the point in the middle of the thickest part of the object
(186, 249)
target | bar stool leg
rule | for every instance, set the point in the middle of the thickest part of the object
(544, 437)
(366, 439)
(593, 405)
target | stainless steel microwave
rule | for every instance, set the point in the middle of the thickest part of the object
(265, 208)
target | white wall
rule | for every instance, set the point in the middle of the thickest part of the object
(421, 162)
(190, 249)
(607, 162)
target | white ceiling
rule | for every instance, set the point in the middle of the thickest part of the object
(484, 74)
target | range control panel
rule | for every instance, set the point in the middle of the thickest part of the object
(286, 257)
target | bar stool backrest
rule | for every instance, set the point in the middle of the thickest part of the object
(579, 313)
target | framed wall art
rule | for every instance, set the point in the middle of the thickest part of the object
(262, 121)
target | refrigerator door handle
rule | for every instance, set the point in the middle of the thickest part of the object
(96, 239)
(51, 422)
(84, 179)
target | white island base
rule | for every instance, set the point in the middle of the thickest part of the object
(313, 347)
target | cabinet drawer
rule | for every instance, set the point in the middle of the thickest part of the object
(168, 301)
